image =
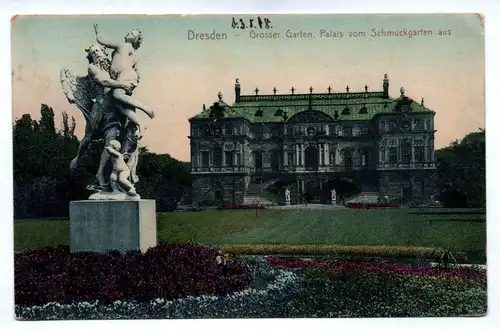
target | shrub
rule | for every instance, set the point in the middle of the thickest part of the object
(361, 205)
(322, 249)
(165, 271)
(249, 206)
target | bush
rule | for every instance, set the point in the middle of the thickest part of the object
(393, 251)
(250, 206)
(371, 205)
(165, 271)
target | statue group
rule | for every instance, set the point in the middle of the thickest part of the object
(105, 97)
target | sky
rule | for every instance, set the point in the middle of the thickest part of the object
(179, 75)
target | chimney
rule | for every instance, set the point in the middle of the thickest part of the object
(386, 86)
(237, 90)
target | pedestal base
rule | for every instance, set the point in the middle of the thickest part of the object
(106, 225)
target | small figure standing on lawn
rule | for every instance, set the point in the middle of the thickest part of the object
(287, 196)
(121, 172)
(334, 197)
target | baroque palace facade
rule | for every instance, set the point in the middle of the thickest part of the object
(354, 142)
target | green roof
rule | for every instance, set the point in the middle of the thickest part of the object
(373, 103)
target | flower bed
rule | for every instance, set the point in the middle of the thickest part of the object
(166, 271)
(298, 288)
(263, 299)
(249, 206)
(348, 289)
(360, 205)
(359, 268)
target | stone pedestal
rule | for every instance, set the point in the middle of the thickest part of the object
(106, 225)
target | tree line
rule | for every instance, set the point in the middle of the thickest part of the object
(44, 185)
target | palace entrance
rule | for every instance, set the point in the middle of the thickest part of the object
(344, 187)
(311, 158)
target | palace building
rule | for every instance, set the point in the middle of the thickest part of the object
(366, 145)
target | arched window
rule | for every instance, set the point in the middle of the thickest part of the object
(217, 157)
(228, 129)
(347, 158)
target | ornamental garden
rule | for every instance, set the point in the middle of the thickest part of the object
(245, 263)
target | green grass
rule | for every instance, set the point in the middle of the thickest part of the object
(464, 232)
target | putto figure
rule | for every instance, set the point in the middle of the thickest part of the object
(124, 70)
(109, 115)
(121, 171)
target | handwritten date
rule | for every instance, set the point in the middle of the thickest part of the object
(251, 23)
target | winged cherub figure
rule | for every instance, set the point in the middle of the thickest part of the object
(121, 171)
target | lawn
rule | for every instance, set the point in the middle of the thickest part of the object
(464, 231)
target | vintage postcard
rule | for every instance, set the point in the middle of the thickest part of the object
(262, 166)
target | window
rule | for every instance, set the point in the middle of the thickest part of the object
(356, 131)
(392, 126)
(365, 131)
(338, 130)
(206, 130)
(205, 159)
(228, 129)
(347, 158)
(406, 152)
(229, 159)
(333, 152)
(364, 160)
(290, 158)
(347, 131)
(331, 129)
(217, 157)
(393, 155)
(418, 125)
(381, 155)
(419, 153)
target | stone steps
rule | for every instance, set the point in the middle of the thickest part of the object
(254, 195)
(364, 197)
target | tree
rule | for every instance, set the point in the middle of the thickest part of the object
(461, 171)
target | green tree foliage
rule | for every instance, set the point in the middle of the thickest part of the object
(164, 179)
(461, 171)
(44, 185)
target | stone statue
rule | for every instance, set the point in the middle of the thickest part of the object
(287, 196)
(334, 197)
(121, 171)
(104, 97)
